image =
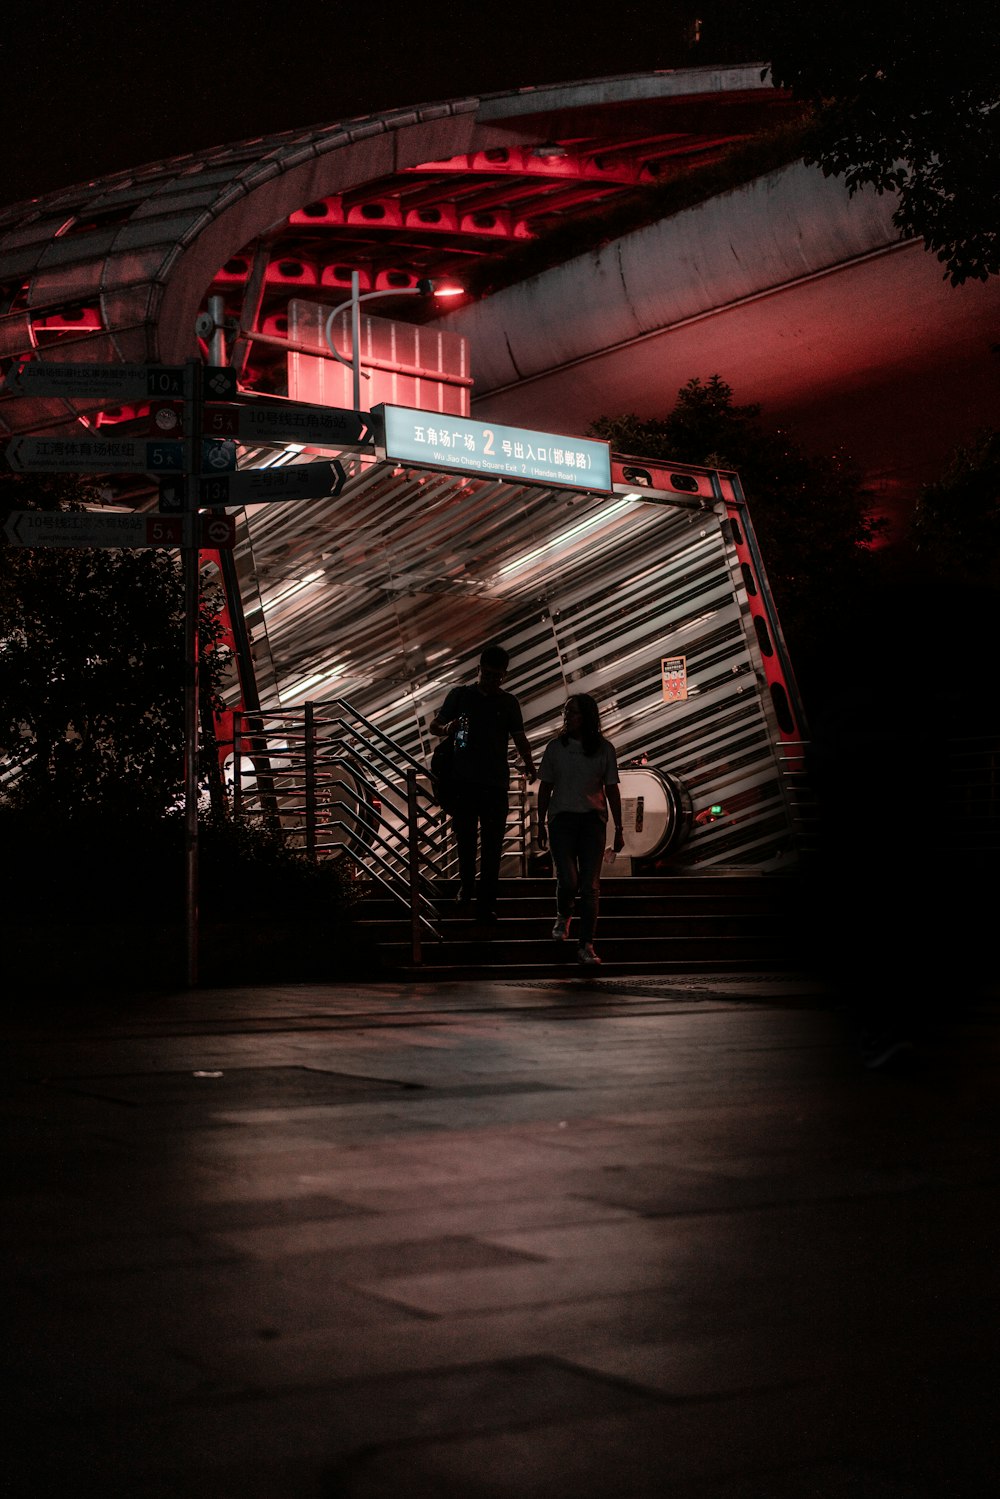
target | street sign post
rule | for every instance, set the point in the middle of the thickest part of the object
(197, 461)
(257, 486)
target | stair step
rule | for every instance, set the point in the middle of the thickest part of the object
(512, 929)
(657, 907)
(702, 887)
(609, 969)
(611, 948)
(647, 925)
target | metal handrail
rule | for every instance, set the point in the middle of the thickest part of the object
(408, 853)
(405, 859)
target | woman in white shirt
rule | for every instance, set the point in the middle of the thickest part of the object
(578, 784)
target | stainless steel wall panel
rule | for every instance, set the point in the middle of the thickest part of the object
(386, 595)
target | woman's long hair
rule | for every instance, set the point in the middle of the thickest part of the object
(590, 727)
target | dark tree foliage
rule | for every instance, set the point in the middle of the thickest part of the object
(956, 523)
(810, 513)
(92, 668)
(906, 99)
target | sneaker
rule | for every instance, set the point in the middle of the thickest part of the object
(587, 955)
(560, 931)
(486, 915)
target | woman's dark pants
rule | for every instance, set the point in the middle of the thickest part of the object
(577, 842)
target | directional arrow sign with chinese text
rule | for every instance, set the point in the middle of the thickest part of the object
(256, 486)
(82, 528)
(69, 455)
(330, 426)
(116, 382)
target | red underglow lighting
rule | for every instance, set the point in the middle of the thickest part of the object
(448, 289)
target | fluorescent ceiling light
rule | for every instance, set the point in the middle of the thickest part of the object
(564, 537)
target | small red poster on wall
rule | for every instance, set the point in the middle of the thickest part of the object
(674, 674)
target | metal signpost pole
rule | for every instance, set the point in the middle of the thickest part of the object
(356, 339)
(192, 602)
(175, 524)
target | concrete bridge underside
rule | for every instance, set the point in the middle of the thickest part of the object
(801, 298)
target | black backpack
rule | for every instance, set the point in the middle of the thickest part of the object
(443, 774)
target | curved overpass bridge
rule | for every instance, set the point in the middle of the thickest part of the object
(593, 294)
(802, 298)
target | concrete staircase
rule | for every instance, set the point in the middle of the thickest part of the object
(720, 923)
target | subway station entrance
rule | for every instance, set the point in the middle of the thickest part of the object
(362, 610)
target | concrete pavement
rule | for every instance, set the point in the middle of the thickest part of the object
(581, 1238)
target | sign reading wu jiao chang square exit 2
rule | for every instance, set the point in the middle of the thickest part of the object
(437, 440)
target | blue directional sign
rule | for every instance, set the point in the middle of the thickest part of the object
(436, 440)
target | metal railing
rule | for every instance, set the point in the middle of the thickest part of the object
(336, 786)
(799, 794)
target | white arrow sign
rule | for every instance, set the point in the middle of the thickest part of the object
(256, 486)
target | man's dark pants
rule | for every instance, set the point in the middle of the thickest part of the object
(480, 816)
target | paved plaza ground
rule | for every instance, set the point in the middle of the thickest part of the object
(661, 1239)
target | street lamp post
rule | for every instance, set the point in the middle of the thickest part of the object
(423, 288)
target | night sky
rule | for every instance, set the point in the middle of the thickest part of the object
(98, 87)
